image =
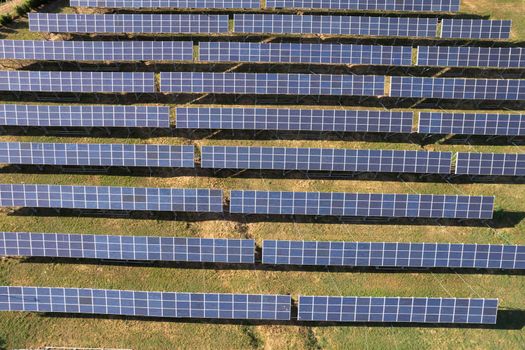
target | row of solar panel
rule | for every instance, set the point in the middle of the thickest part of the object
(270, 24)
(274, 252)
(433, 56)
(248, 202)
(247, 306)
(261, 158)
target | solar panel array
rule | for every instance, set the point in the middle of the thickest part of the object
(394, 254)
(465, 56)
(335, 25)
(141, 248)
(458, 88)
(361, 204)
(475, 29)
(367, 5)
(96, 50)
(415, 310)
(311, 159)
(110, 198)
(89, 82)
(183, 4)
(128, 23)
(305, 53)
(493, 164)
(151, 304)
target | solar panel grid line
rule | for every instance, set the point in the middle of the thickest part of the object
(179, 4)
(490, 164)
(489, 57)
(475, 29)
(367, 5)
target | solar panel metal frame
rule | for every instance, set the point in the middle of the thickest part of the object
(179, 4)
(475, 29)
(466, 56)
(145, 304)
(367, 5)
(490, 164)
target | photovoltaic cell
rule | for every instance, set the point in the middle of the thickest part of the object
(458, 88)
(475, 29)
(97, 154)
(111, 198)
(305, 53)
(494, 164)
(335, 25)
(489, 57)
(413, 310)
(319, 159)
(149, 304)
(96, 50)
(272, 83)
(182, 4)
(128, 23)
(141, 248)
(361, 204)
(89, 82)
(471, 123)
(368, 5)
(294, 119)
(84, 116)
(394, 254)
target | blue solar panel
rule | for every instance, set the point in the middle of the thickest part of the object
(91, 82)
(361, 204)
(413, 310)
(335, 25)
(268, 83)
(96, 50)
(305, 53)
(169, 4)
(312, 159)
(150, 304)
(394, 254)
(494, 164)
(475, 29)
(458, 88)
(471, 123)
(490, 57)
(294, 119)
(97, 154)
(84, 116)
(111, 198)
(368, 5)
(142, 248)
(128, 23)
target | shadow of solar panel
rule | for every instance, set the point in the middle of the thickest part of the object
(471, 123)
(490, 57)
(294, 119)
(305, 53)
(475, 29)
(319, 159)
(493, 164)
(394, 254)
(335, 25)
(149, 304)
(367, 5)
(111, 198)
(413, 310)
(97, 154)
(128, 23)
(139, 248)
(169, 4)
(361, 204)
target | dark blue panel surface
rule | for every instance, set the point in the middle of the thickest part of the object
(368, 5)
(169, 4)
(490, 57)
(495, 164)
(475, 29)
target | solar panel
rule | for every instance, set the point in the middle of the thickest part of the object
(141, 248)
(394, 254)
(489, 57)
(367, 5)
(305, 53)
(128, 23)
(475, 29)
(413, 310)
(111, 198)
(272, 83)
(97, 154)
(471, 123)
(494, 164)
(325, 159)
(335, 25)
(294, 119)
(96, 50)
(458, 88)
(84, 116)
(91, 82)
(149, 304)
(361, 204)
(169, 4)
